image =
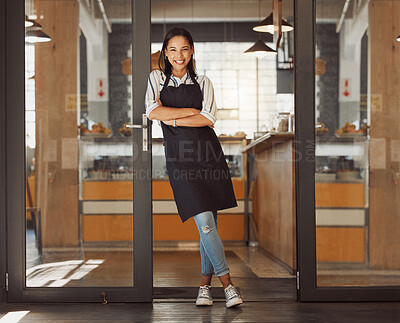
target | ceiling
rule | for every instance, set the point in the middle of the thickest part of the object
(219, 10)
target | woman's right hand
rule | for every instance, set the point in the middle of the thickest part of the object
(159, 101)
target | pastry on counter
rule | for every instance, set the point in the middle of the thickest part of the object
(320, 129)
(351, 129)
(125, 131)
(98, 128)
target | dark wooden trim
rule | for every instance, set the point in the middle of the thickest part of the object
(15, 146)
(305, 143)
(305, 179)
(142, 188)
(3, 231)
(13, 157)
(168, 293)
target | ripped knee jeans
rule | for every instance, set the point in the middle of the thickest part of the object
(211, 249)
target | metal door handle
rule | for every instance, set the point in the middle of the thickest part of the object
(141, 126)
(136, 126)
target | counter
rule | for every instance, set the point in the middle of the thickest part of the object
(106, 191)
(341, 202)
(272, 195)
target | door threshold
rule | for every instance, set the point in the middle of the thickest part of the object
(185, 293)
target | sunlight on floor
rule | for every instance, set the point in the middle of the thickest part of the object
(58, 274)
(13, 317)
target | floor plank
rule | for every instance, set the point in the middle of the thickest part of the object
(188, 312)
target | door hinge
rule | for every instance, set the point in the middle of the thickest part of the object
(6, 282)
(298, 279)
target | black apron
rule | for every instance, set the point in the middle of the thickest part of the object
(196, 166)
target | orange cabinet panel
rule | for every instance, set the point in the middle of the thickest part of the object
(103, 190)
(165, 228)
(340, 244)
(123, 190)
(170, 227)
(339, 195)
(107, 228)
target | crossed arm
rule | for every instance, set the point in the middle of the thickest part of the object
(187, 117)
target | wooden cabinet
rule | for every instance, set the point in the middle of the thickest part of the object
(342, 206)
(106, 206)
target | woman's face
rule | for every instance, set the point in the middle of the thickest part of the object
(179, 53)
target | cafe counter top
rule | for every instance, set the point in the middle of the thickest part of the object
(266, 141)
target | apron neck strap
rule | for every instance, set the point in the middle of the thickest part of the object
(168, 77)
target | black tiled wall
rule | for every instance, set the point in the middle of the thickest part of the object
(327, 41)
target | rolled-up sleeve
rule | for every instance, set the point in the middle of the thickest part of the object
(209, 107)
(153, 91)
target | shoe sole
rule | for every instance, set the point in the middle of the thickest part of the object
(233, 303)
(204, 303)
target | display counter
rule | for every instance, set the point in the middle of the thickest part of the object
(341, 197)
(271, 195)
(106, 191)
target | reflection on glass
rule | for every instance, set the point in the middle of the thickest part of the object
(357, 162)
(79, 197)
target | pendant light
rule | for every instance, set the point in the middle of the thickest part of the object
(34, 33)
(35, 25)
(36, 36)
(259, 49)
(28, 22)
(267, 25)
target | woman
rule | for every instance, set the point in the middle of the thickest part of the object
(198, 173)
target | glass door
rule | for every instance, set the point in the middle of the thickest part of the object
(85, 234)
(351, 232)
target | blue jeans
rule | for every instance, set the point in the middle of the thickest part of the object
(211, 248)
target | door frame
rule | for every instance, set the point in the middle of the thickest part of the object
(13, 138)
(3, 231)
(305, 20)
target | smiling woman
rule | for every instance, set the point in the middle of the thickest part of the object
(176, 59)
(185, 104)
(178, 52)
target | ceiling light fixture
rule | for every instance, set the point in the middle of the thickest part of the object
(259, 49)
(36, 36)
(28, 22)
(35, 25)
(267, 25)
(34, 33)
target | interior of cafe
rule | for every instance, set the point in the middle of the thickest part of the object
(80, 152)
(79, 149)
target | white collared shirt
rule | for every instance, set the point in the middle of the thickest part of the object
(156, 82)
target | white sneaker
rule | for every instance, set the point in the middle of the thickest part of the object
(232, 296)
(204, 297)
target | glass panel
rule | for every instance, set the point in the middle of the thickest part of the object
(79, 164)
(249, 92)
(357, 143)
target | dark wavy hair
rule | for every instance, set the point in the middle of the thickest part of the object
(163, 62)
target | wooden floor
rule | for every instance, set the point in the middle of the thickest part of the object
(268, 290)
(188, 312)
(176, 271)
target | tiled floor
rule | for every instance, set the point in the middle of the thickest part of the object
(262, 265)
